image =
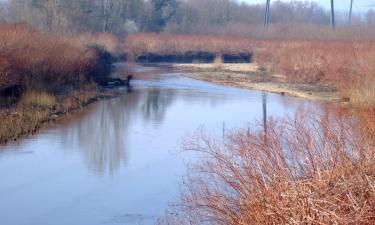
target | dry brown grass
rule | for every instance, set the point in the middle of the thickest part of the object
(38, 108)
(44, 75)
(38, 99)
(345, 65)
(337, 62)
(143, 43)
(104, 40)
(310, 169)
(30, 57)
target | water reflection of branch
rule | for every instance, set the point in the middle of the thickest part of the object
(102, 137)
(156, 104)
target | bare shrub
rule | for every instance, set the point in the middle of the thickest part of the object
(310, 169)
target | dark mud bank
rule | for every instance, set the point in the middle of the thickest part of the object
(191, 57)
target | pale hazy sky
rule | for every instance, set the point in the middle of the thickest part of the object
(341, 5)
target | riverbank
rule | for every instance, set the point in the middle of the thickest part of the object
(39, 111)
(251, 76)
(323, 70)
(46, 75)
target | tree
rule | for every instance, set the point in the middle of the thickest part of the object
(163, 11)
(174, 16)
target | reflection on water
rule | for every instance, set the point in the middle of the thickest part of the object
(102, 134)
(156, 104)
(116, 161)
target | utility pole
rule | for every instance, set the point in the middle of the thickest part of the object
(333, 25)
(350, 12)
(267, 15)
(264, 95)
(105, 15)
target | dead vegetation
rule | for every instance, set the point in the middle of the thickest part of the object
(310, 169)
(38, 110)
(344, 64)
(44, 75)
(29, 57)
(205, 48)
(314, 168)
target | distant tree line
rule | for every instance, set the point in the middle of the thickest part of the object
(173, 16)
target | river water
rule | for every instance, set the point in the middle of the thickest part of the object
(119, 161)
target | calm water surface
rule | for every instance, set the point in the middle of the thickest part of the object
(119, 161)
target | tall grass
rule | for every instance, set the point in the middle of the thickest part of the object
(29, 57)
(38, 99)
(43, 75)
(334, 61)
(310, 169)
(107, 41)
(143, 43)
(346, 65)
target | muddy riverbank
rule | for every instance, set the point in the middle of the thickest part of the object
(20, 121)
(34, 110)
(250, 76)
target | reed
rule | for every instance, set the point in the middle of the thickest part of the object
(345, 65)
(28, 56)
(38, 99)
(143, 43)
(43, 75)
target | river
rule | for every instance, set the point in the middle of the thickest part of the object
(119, 161)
